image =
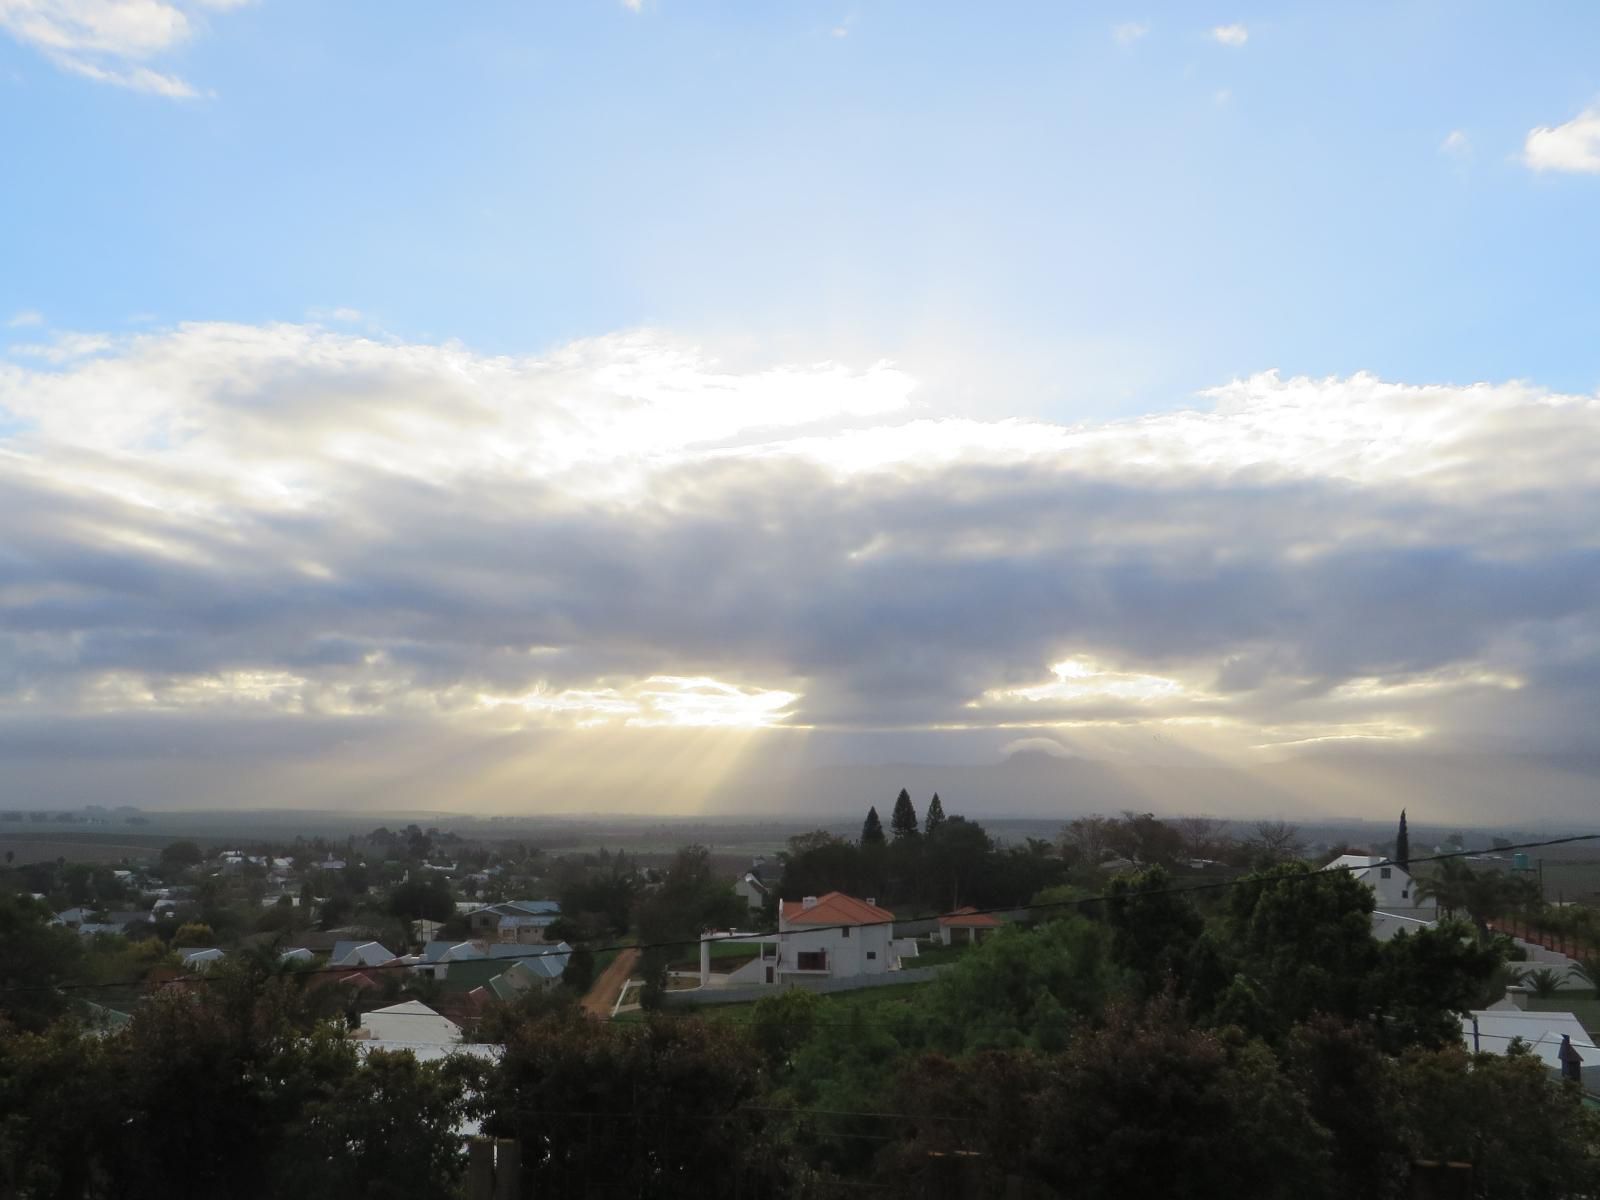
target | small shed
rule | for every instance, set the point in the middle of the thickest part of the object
(967, 925)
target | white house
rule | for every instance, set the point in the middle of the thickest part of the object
(1492, 1030)
(830, 937)
(410, 1022)
(359, 954)
(1394, 891)
(752, 891)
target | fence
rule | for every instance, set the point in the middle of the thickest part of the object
(745, 995)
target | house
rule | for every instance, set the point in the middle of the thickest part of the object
(411, 1022)
(834, 936)
(519, 921)
(437, 956)
(298, 955)
(967, 925)
(1493, 1029)
(1386, 924)
(752, 891)
(1393, 889)
(359, 954)
(196, 958)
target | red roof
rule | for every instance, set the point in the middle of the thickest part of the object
(970, 918)
(835, 909)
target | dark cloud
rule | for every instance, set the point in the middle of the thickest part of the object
(363, 533)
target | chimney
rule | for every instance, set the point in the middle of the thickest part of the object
(872, 900)
(808, 902)
(1517, 996)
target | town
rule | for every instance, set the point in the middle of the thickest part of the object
(921, 1007)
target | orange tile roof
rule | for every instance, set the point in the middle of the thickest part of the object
(835, 908)
(970, 918)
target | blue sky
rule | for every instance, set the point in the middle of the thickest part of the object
(476, 402)
(1123, 221)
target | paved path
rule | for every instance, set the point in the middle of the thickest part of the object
(602, 996)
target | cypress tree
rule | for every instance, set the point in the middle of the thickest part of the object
(904, 818)
(934, 817)
(872, 828)
(1402, 843)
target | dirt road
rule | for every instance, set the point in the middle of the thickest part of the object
(602, 997)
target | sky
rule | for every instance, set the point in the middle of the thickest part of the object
(626, 405)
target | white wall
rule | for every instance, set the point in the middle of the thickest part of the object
(846, 948)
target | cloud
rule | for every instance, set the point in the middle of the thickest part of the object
(1456, 144)
(1230, 35)
(1129, 32)
(633, 5)
(290, 529)
(1036, 745)
(1573, 147)
(25, 319)
(64, 347)
(109, 40)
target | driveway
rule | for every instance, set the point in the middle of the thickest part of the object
(602, 996)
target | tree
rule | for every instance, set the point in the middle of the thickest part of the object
(817, 863)
(181, 855)
(1425, 981)
(1153, 930)
(36, 957)
(610, 1110)
(934, 817)
(1402, 843)
(903, 821)
(783, 1023)
(1145, 839)
(194, 933)
(992, 995)
(422, 899)
(1527, 1139)
(955, 860)
(872, 829)
(1305, 942)
(1087, 840)
(579, 971)
(1276, 842)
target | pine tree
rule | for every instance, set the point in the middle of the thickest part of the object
(904, 819)
(1402, 843)
(872, 828)
(934, 817)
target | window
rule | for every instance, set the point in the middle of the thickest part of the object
(1383, 872)
(811, 960)
(845, 932)
(871, 954)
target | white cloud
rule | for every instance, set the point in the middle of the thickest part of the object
(230, 521)
(138, 79)
(1129, 32)
(1230, 35)
(25, 319)
(1573, 147)
(633, 5)
(64, 347)
(1456, 144)
(109, 40)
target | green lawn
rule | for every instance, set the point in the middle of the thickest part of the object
(936, 955)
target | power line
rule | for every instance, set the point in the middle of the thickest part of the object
(1051, 905)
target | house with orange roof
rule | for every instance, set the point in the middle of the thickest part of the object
(834, 936)
(966, 925)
